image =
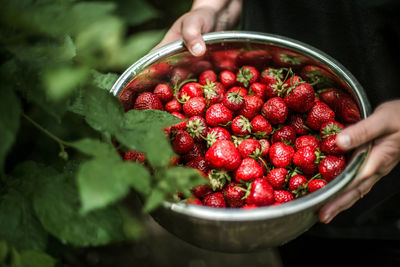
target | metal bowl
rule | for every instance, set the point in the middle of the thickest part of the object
(237, 230)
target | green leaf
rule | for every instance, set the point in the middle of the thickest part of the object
(57, 206)
(34, 258)
(96, 148)
(154, 200)
(144, 118)
(3, 250)
(10, 110)
(142, 9)
(103, 81)
(103, 181)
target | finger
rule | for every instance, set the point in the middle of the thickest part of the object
(169, 37)
(363, 131)
(192, 34)
(346, 200)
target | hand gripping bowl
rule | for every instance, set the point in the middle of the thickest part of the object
(238, 230)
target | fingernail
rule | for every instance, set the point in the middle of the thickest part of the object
(343, 140)
(197, 49)
(327, 218)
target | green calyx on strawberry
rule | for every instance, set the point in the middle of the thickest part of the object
(233, 100)
(218, 179)
(247, 75)
(330, 128)
(196, 127)
(241, 126)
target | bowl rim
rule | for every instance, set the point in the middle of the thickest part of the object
(312, 200)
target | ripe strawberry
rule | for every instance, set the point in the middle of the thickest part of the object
(306, 158)
(247, 75)
(207, 75)
(249, 147)
(330, 128)
(284, 134)
(215, 200)
(198, 150)
(182, 142)
(294, 80)
(188, 90)
(218, 115)
(240, 90)
(133, 155)
(275, 110)
(214, 92)
(173, 106)
(331, 166)
(217, 133)
(180, 125)
(148, 100)
(163, 92)
(257, 58)
(197, 128)
(241, 126)
(249, 206)
(277, 178)
(297, 185)
(257, 89)
(270, 77)
(282, 196)
(328, 146)
(225, 59)
(193, 201)
(234, 195)
(261, 193)
(201, 191)
(195, 106)
(260, 127)
(178, 75)
(233, 100)
(199, 163)
(306, 140)
(286, 58)
(315, 184)
(252, 106)
(298, 123)
(318, 115)
(300, 98)
(265, 145)
(223, 155)
(320, 77)
(281, 154)
(248, 169)
(227, 78)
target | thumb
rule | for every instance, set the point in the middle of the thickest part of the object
(192, 35)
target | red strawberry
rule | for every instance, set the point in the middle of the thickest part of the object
(234, 195)
(215, 200)
(188, 90)
(330, 128)
(193, 201)
(275, 110)
(133, 155)
(270, 77)
(223, 155)
(195, 106)
(298, 123)
(261, 193)
(264, 147)
(198, 65)
(331, 166)
(207, 75)
(240, 90)
(257, 89)
(148, 100)
(225, 59)
(198, 163)
(247, 75)
(217, 115)
(328, 146)
(180, 125)
(173, 106)
(198, 150)
(241, 126)
(286, 58)
(315, 184)
(260, 127)
(306, 140)
(214, 92)
(297, 185)
(178, 75)
(281, 154)
(252, 106)
(163, 92)
(318, 115)
(201, 191)
(249, 206)
(300, 98)
(249, 169)
(318, 76)
(197, 128)
(306, 158)
(233, 100)
(285, 134)
(277, 178)
(182, 142)
(249, 147)
(227, 78)
(257, 58)
(282, 196)
(294, 80)
(217, 133)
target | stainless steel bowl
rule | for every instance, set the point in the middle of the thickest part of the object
(237, 230)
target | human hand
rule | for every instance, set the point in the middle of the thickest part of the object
(383, 129)
(205, 16)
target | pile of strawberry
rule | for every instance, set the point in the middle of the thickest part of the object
(260, 137)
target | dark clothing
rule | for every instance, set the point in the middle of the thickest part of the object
(364, 36)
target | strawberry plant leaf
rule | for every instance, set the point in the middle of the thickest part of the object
(103, 81)
(95, 148)
(57, 194)
(102, 181)
(34, 258)
(144, 118)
